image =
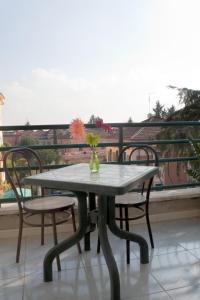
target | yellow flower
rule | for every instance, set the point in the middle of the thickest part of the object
(92, 139)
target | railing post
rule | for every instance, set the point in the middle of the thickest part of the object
(121, 138)
(55, 140)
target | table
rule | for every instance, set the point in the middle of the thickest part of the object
(111, 180)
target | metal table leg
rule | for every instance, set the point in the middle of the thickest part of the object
(92, 206)
(66, 244)
(110, 261)
(144, 250)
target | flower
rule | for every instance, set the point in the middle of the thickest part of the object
(92, 139)
(4, 186)
(78, 132)
(100, 124)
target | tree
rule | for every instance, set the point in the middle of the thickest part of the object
(130, 120)
(187, 96)
(191, 101)
(159, 110)
(47, 156)
(170, 111)
(195, 171)
(93, 119)
(190, 112)
(27, 141)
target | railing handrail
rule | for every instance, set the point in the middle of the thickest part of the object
(120, 138)
(119, 125)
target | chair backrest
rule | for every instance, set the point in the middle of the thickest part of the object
(18, 163)
(140, 154)
(133, 153)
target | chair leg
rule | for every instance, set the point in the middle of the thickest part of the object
(127, 241)
(19, 239)
(149, 230)
(121, 217)
(98, 245)
(42, 229)
(55, 239)
(74, 227)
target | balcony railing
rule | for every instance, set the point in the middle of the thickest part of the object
(117, 143)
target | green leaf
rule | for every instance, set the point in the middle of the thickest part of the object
(195, 173)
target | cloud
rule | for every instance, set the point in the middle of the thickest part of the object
(121, 66)
(60, 79)
(52, 97)
(17, 90)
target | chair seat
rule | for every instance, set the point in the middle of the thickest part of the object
(130, 199)
(48, 204)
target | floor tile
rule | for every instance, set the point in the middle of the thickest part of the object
(35, 254)
(134, 277)
(155, 296)
(8, 267)
(190, 241)
(187, 293)
(175, 270)
(69, 284)
(12, 289)
(91, 258)
(195, 252)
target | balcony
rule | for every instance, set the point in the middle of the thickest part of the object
(173, 271)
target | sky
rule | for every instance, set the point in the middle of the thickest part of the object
(67, 59)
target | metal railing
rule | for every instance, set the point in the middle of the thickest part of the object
(119, 143)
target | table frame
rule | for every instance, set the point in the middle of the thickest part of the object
(105, 219)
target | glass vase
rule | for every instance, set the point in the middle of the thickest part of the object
(94, 162)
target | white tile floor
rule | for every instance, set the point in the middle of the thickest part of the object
(173, 271)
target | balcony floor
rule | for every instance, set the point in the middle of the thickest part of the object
(173, 271)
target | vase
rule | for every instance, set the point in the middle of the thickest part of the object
(94, 162)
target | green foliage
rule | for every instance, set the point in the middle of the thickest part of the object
(170, 111)
(4, 185)
(5, 145)
(47, 156)
(93, 119)
(191, 100)
(187, 96)
(195, 173)
(130, 120)
(160, 111)
(190, 112)
(27, 141)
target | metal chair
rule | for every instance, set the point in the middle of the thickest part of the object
(32, 202)
(143, 155)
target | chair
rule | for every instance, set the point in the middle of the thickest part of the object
(52, 210)
(143, 155)
(136, 154)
